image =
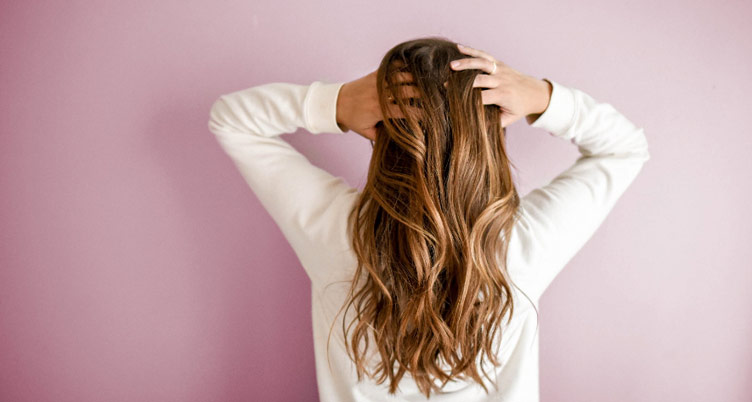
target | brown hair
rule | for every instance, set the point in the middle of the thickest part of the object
(431, 227)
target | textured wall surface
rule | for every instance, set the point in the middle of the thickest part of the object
(135, 265)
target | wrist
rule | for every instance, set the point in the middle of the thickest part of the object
(541, 98)
(342, 105)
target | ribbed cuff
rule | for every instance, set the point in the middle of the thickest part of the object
(320, 107)
(559, 116)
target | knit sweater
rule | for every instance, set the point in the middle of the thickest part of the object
(310, 206)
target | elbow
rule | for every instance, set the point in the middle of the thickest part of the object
(218, 114)
(637, 146)
(634, 148)
(644, 152)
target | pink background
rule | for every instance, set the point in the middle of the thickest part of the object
(135, 265)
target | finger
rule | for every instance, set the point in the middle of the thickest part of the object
(402, 86)
(506, 120)
(403, 77)
(474, 52)
(485, 81)
(396, 112)
(488, 97)
(474, 62)
(407, 94)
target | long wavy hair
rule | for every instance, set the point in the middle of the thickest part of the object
(431, 227)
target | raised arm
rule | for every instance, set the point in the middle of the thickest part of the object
(305, 201)
(557, 219)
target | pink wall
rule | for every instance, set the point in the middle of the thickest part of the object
(136, 266)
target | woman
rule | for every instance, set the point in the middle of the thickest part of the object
(438, 264)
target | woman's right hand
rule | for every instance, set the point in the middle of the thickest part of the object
(518, 95)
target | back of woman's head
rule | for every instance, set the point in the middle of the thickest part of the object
(431, 227)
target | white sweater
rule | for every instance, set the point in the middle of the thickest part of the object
(310, 206)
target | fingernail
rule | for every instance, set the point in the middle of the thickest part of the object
(455, 63)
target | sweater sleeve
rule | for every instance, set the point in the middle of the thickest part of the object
(305, 201)
(557, 219)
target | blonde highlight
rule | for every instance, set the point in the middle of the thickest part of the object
(431, 228)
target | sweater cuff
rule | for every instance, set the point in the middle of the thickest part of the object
(321, 107)
(558, 117)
